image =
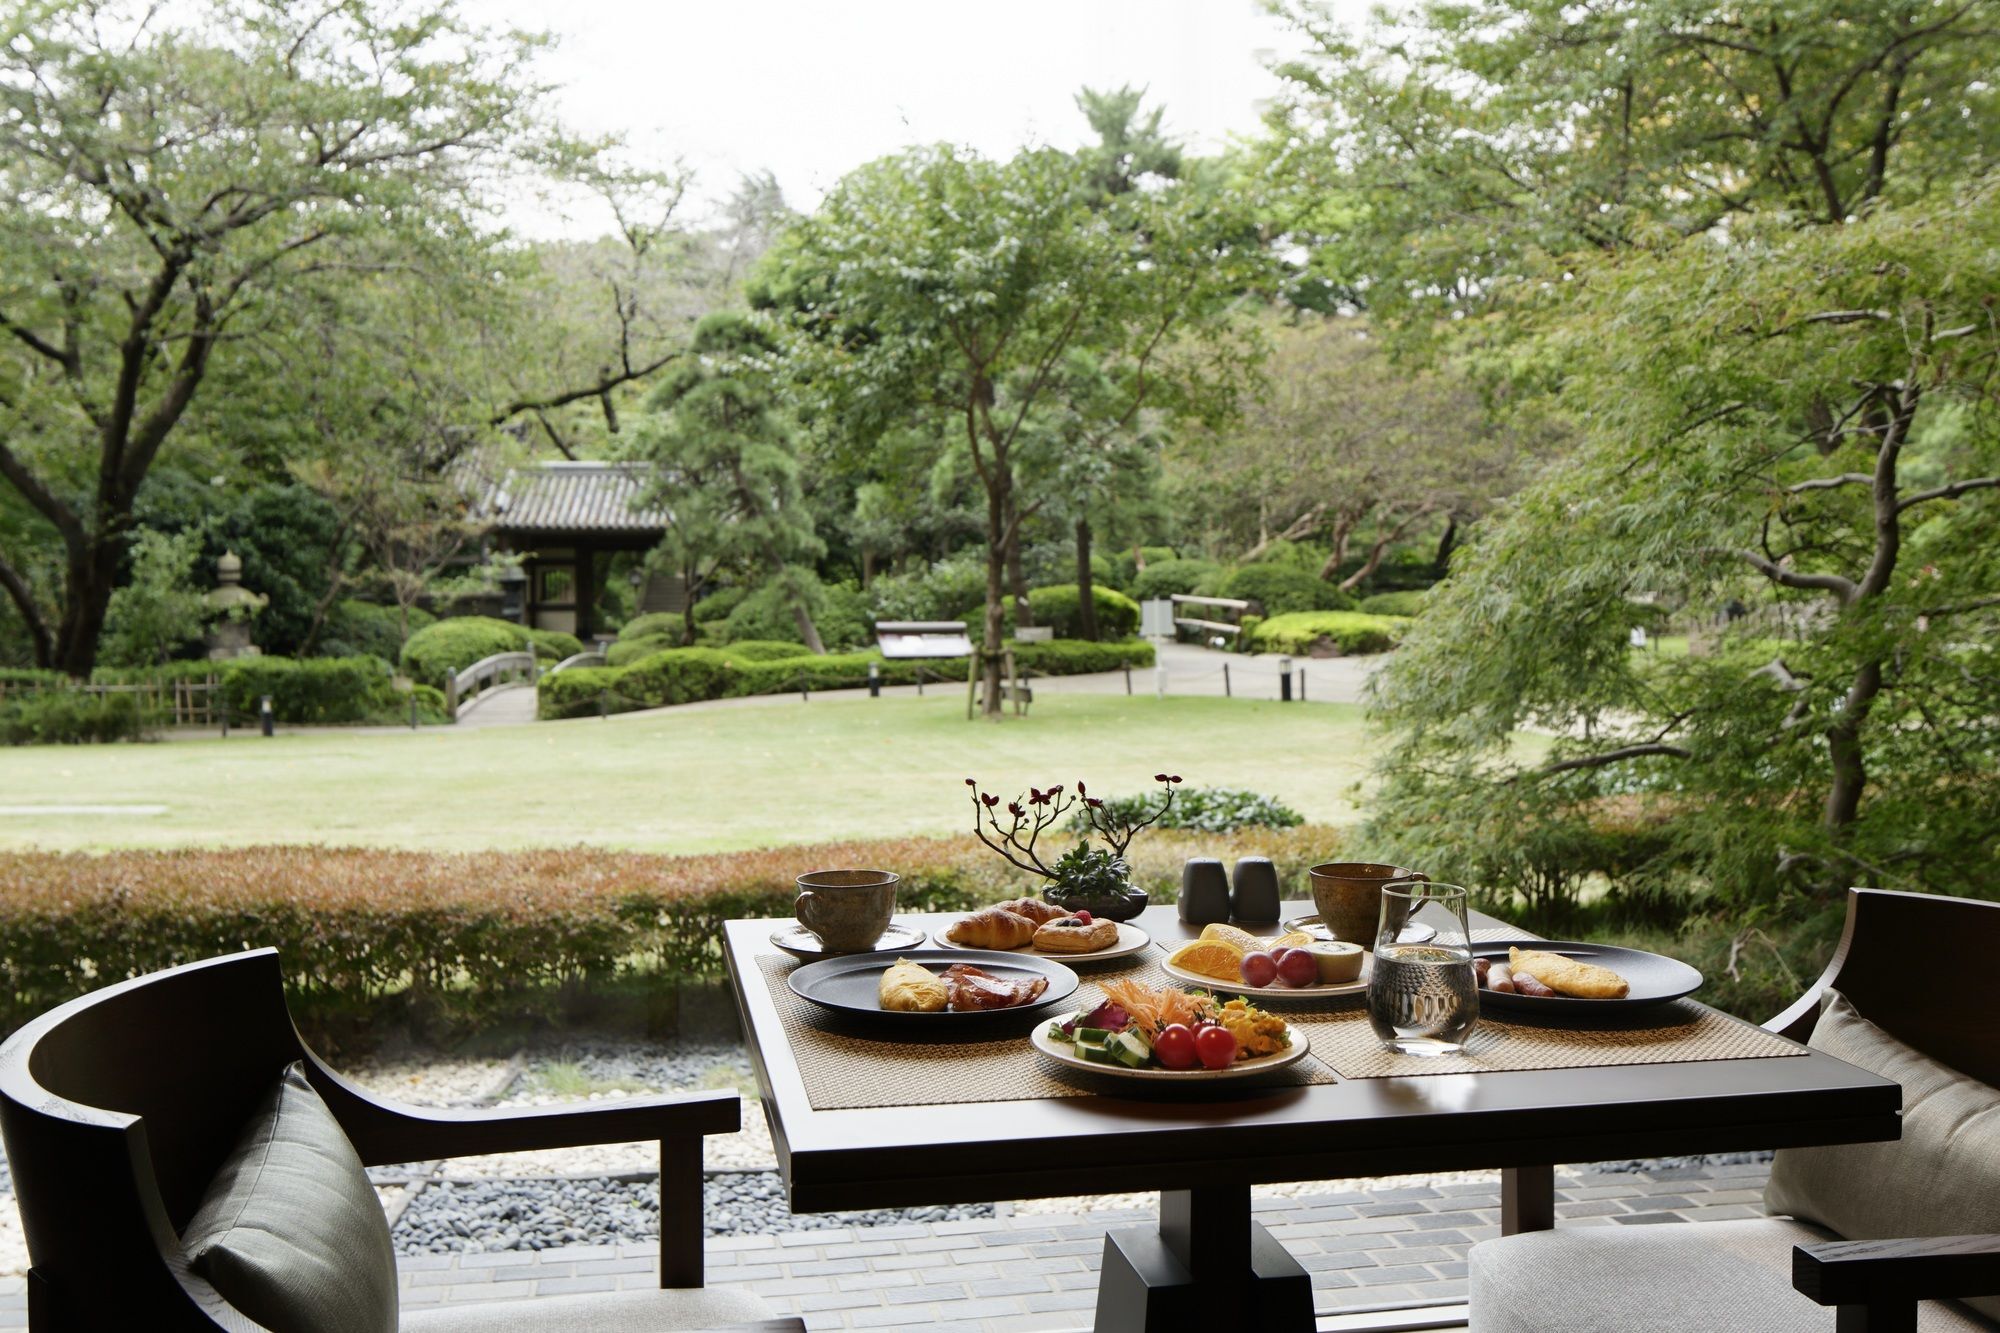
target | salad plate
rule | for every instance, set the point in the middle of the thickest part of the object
(1130, 940)
(1064, 1053)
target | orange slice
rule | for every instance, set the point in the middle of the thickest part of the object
(1291, 939)
(1227, 934)
(1209, 958)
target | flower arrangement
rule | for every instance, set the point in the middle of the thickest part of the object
(1086, 878)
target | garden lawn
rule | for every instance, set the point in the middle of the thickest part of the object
(702, 778)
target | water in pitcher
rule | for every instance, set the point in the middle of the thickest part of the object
(1422, 999)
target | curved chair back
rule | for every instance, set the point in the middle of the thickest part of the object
(1920, 966)
(117, 1109)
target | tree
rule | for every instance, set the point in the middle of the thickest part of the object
(1343, 444)
(160, 609)
(1474, 142)
(936, 285)
(1805, 421)
(728, 462)
(173, 190)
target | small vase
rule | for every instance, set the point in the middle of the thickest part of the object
(1112, 904)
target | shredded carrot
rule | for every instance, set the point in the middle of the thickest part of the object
(1155, 1009)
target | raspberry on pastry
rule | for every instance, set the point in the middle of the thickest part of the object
(1068, 934)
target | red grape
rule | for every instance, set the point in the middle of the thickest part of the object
(1296, 967)
(1175, 1047)
(1259, 969)
(1216, 1045)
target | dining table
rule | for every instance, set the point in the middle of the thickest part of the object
(873, 1117)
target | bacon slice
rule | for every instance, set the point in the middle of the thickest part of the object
(972, 988)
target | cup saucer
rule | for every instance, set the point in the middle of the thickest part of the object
(1316, 928)
(799, 942)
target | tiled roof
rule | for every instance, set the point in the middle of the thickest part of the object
(571, 497)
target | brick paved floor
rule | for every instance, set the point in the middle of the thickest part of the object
(1365, 1250)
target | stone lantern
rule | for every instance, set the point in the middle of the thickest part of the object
(230, 607)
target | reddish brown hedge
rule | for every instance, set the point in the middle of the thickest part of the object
(471, 935)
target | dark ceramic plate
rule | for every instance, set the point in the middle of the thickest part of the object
(1653, 978)
(851, 984)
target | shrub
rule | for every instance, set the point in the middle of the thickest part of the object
(356, 628)
(1078, 657)
(68, 717)
(314, 689)
(653, 625)
(1058, 607)
(938, 591)
(838, 613)
(449, 646)
(1210, 810)
(689, 675)
(1279, 589)
(627, 651)
(1339, 632)
(718, 604)
(1168, 577)
(472, 937)
(1406, 603)
(17, 678)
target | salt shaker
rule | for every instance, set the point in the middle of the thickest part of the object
(1255, 894)
(1204, 891)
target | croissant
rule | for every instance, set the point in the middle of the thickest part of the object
(992, 928)
(1034, 909)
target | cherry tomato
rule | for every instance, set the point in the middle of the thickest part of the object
(1259, 969)
(1216, 1046)
(1175, 1047)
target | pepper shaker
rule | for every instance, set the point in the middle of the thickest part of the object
(1204, 891)
(1254, 896)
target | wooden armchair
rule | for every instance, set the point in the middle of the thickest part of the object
(1918, 968)
(118, 1107)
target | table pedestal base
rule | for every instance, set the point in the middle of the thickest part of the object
(1207, 1267)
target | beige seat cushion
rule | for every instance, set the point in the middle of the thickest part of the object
(1942, 1178)
(652, 1311)
(1672, 1277)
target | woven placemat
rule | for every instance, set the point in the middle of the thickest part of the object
(847, 1069)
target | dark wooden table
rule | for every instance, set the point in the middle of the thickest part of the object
(1209, 1261)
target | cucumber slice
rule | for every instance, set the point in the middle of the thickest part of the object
(1097, 1055)
(1130, 1049)
(1095, 1036)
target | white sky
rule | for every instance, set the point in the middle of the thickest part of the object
(813, 88)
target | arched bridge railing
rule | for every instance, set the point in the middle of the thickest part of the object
(486, 672)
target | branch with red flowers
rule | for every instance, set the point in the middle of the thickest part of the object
(1040, 809)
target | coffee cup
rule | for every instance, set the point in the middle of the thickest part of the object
(1348, 895)
(847, 909)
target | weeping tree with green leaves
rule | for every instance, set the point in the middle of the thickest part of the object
(727, 456)
(1800, 423)
(936, 286)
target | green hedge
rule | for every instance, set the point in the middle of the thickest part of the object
(690, 675)
(68, 717)
(627, 651)
(1280, 589)
(450, 646)
(1344, 632)
(1406, 603)
(653, 625)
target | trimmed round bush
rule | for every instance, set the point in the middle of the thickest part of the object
(653, 625)
(1058, 607)
(1281, 589)
(838, 614)
(718, 604)
(1406, 603)
(1164, 578)
(627, 651)
(449, 646)
(1331, 633)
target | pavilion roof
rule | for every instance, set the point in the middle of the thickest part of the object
(572, 497)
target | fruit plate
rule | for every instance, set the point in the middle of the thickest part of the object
(1131, 939)
(1277, 990)
(1654, 979)
(802, 944)
(851, 985)
(1063, 1054)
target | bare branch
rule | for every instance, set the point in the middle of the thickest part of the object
(31, 612)
(1950, 492)
(1843, 588)
(1616, 756)
(1829, 483)
(607, 381)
